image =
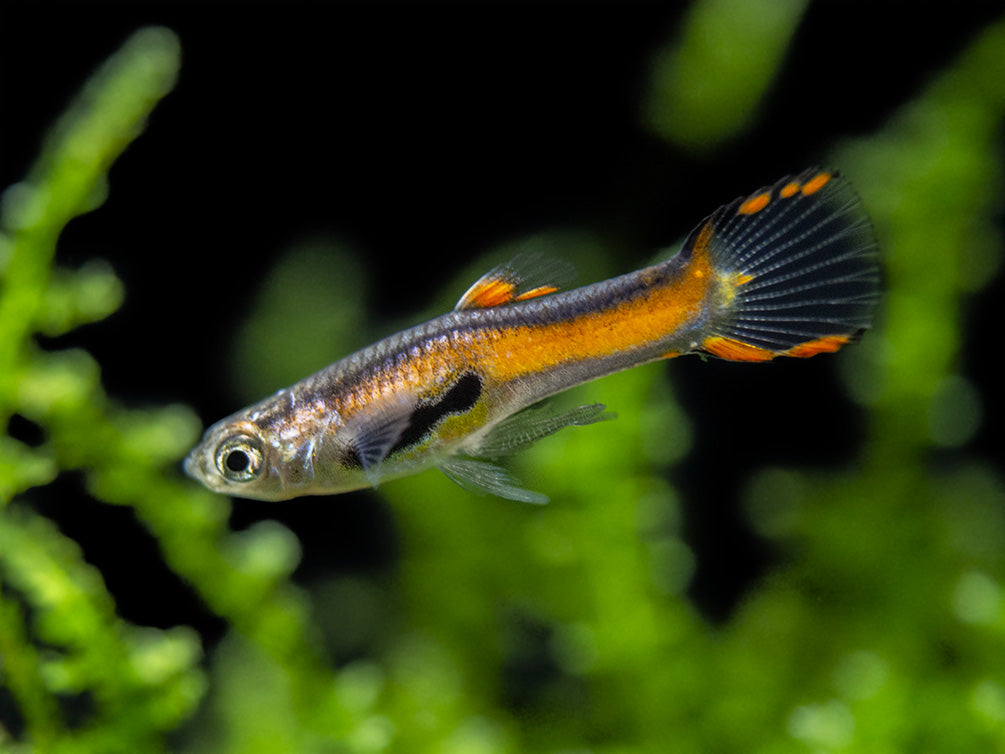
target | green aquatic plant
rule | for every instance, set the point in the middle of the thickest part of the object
(60, 637)
(706, 88)
(59, 634)
(881, 628)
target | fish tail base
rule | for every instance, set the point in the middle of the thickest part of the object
(798, 268)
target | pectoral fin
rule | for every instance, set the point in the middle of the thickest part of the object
(377, 431)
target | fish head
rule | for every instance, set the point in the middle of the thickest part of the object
(286, 446)
(236, 457)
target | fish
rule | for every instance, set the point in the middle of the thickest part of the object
(791, 270)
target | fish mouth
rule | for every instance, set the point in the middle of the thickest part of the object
(192, 467)
(196, 469)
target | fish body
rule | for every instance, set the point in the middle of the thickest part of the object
(790, 270)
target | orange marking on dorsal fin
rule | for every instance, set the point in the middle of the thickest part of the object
(486, 293)
(736, 350)
(755, 204)
(525, 277)
(541, 290)
(816, 183)
(827, 344)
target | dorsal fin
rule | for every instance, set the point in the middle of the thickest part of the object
(526, 276)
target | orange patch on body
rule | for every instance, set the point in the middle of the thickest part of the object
(755, 204)
(654, 314)
(816, 183)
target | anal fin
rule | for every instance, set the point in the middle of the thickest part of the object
(482, 477)
(513, 433)
(377, 430)
(530, 425)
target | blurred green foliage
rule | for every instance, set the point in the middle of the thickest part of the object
(881, 629)
(706, 87)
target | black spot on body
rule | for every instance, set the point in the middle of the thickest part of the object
(458, 399)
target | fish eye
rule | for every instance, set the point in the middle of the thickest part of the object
(239, 458)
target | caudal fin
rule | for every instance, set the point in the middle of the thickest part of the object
(799, 268)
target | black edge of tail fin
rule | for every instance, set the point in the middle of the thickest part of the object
(799, 262)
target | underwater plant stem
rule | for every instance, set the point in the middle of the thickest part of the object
(19, 665)
(69, 179)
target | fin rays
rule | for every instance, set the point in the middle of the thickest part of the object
(524, 277)
(483, 478)
(512, 434)
(531, 424)
(762, 255)
(801, 258)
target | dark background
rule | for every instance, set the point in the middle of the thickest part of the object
(426, 134)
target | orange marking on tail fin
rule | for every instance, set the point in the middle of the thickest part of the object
(789, 190)
(827, 344)
(736, 350)
(816, 183)
(755, 204)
